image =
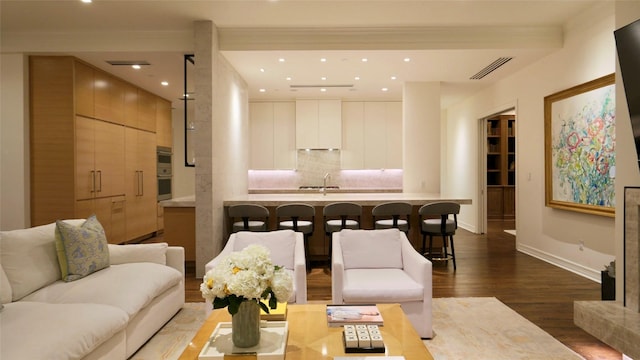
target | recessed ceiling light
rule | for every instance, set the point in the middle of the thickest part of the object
(263, 90)
(323, 60)
(281, 60)
(86, 1)
(288, 78)
(365, 59)
(136, 66)
(385, 89)
(165, 83)
(357, 78)
(407, 59)
(261, 69)
(323, 90)
(323, 78)
(393, 78)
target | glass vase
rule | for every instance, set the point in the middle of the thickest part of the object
(245, 325)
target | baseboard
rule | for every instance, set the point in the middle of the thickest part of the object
(575, 268)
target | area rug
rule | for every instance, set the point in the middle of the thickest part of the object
(464, 328)
(173, 338)
(485, 328)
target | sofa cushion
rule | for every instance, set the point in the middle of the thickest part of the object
(281, 244)
(362, 249)
(29, 259)
(122, 254)
(5, 288)
(380, 286)
(129, 287)
(32, 330)
(82, 249)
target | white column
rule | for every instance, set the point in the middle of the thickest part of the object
(14, 143)
(206, 39)
(421, 137)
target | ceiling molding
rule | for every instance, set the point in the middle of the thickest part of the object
(376, 38)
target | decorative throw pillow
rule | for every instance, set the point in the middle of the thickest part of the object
(82, 249)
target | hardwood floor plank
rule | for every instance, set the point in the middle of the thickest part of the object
(490, 265)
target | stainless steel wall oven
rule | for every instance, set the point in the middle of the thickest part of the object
(165, 176)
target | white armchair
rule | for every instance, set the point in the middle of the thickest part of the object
(287, 249)
(381, 266)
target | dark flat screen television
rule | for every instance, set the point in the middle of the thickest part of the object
(628, 47)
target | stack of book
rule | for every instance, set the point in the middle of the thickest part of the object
(340, 315)
(277, 314)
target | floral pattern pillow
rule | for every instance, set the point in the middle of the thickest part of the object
(82, 249)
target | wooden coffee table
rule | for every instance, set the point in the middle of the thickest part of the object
(310, 338)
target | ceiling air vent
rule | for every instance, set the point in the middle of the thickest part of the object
(321, 86)
(491, 67)
(127, 62)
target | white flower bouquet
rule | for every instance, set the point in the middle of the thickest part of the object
(247, 275)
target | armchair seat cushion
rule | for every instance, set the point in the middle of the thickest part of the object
(380, 286)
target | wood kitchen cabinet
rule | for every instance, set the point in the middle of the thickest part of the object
(164, 130)
(372, 135)
(111, 214)
(82, 142)
(272, 135)
(99, 155)
(318, 124)
(501, 170)
(141, 182)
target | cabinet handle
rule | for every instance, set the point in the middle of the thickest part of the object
(93, 181)
(99, 180)
(137, 182)
(141, 183)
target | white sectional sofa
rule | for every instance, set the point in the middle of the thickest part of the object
(109, 314)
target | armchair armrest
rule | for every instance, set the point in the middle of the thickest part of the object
(417, 266)
(226, 251)
(337, 270)
(300, 270)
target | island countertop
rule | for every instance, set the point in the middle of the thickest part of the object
(318, 199)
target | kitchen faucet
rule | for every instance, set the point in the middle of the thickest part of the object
(327, 176)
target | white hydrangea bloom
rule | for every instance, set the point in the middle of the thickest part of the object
(247, 274)
(282, 284)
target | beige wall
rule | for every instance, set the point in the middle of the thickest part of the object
(626, 158)
(550, 234)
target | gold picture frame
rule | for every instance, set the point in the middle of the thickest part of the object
(579, 128)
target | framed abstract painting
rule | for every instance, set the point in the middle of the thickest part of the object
(580, 162)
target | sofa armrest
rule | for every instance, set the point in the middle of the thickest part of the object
(175, 258)
(337, 270)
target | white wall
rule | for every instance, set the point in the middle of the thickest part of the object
(551, 234)
(14, 132)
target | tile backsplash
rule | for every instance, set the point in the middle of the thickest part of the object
(312, 165)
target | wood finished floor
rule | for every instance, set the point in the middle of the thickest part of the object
(489, 265)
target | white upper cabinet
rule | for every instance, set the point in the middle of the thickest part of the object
(272, 134)
(318, 124)
(372, 135)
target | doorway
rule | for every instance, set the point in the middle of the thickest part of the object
(498, 171)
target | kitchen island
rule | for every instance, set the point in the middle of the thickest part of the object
(318, 245)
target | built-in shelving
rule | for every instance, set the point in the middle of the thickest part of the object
(501, 167)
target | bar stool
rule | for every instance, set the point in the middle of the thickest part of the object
(338, 216)
(252, 217)
(440, 226)
(392, 215)
(298, 217)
